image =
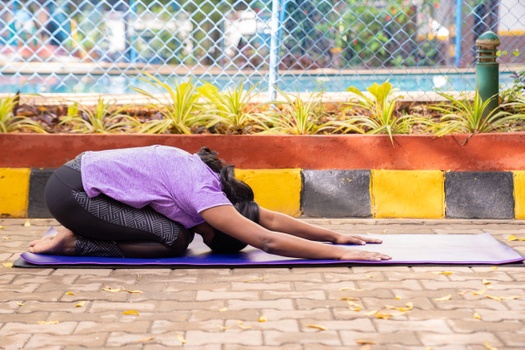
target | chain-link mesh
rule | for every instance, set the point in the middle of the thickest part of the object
(103, 46)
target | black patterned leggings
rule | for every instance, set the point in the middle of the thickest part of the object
(105, 227)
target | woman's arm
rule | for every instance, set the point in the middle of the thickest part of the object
(275, 221)
(229, 221)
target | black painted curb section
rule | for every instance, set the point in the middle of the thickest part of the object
(37, 183)
(336, 193)
(479, 195)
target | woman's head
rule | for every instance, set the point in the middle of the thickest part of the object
(240, 195)
(225, 244)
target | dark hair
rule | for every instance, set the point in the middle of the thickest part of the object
(210, 158)
(238, 192)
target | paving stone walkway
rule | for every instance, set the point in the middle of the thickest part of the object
(389, 307)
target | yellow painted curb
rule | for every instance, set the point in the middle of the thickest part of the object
(275, 189)
(519, 194)
(14, 192)
(408, 194)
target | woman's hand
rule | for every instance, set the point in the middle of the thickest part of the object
(360, 240)
(364, 255)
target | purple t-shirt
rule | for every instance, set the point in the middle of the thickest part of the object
(171, 181)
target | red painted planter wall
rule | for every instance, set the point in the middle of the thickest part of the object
(481, 152)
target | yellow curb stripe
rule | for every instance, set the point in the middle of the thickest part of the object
(14, 192)
(519, 194)
(275, 189)
(408, 194)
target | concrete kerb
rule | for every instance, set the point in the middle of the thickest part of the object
(398, 194)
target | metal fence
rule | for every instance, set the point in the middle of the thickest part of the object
(104, 46)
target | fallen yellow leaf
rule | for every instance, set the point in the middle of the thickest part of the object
(383, 316)
(111, 290)
(262, 319)
(8, 264)
(512, 238)
(80, 304)
(255, 279)
(133, 291)
(397, 297)
(181, 339)
(144, 340)
(493, 268)
(131, 312)
(19, 303)
(479, 292)
(477, 316)
(494, 297)
(409, 306)
(223, 309)
(445, 298)
(27, 223)
(444, 273)
(488, 346)
(522, 239)
(6, 238)
(486, 282)
(70, 293)
(316, 326)
(2, 227)
(350, 288)
(48, 322)
(365, 342)
(241, 325)
(349, 299)
(498, 298)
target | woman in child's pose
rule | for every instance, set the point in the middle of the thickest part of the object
(148, 202)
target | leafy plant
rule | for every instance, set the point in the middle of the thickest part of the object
(380, 107)
(181, 113)
(297, 116)
(464, 115)
(9, 122)
(231, 112)
(516, 91)
(101, 119)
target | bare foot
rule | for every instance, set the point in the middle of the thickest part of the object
(63, 243)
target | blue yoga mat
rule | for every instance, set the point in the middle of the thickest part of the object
(405, 249)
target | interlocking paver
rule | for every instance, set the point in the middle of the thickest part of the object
(53, 341)
(401, 337)
(304, 308)
(277, 338)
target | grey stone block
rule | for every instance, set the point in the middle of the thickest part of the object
(37, 183)
(479, 195)
(336, 193)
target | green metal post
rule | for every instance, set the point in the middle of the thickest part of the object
(487, 69)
